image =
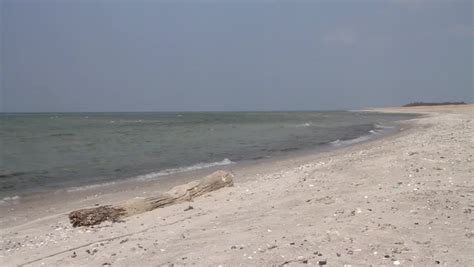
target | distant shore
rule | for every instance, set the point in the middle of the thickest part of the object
(426, 104)
(404, 199)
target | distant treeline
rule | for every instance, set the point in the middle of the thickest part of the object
(417, 104)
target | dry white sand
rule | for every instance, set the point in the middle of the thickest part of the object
(406, 199)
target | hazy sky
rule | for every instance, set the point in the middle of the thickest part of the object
(109, 55)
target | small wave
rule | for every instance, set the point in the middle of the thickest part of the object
(198, 166)
(378, 129)
(13, 174)
(359, 139)
(129, 121)
(154, 175)
(87, 187)
(11, 198)
(378, 126)
(306, 124)
(356, 140)
(8, 200)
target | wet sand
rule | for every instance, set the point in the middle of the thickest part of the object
(405, 199)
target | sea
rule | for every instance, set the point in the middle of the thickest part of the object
(49, 151)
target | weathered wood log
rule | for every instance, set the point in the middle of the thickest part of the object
(178, 194)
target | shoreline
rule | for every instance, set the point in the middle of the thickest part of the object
(378, 131)
(328, 194)
(22, 208)
(19, 182)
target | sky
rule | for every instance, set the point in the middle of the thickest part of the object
(94, 56)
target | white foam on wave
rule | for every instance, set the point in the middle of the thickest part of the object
(153, 175)
(359, 139)
(379, 129)
(87, 187)
(9, 200)
(306, 124)
(132, 121)
(198, 166)
(378, 126)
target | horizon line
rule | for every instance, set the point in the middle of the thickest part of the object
(174, 111)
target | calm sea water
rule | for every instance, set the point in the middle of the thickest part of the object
(48, 151)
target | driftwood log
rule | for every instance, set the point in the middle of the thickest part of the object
(178, 194)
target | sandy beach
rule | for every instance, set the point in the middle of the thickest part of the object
(405, 199)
